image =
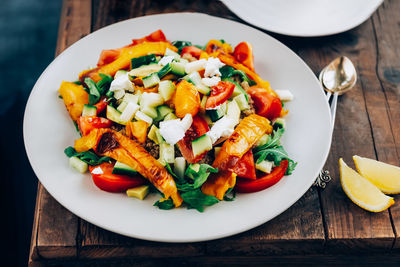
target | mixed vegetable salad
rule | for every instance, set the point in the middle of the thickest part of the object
(195, 124)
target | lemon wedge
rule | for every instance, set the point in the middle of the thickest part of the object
(361, 191)
(384, 176)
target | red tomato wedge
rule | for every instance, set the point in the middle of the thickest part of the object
(107, 181)
(244, 54)
(219, 94)
(101, 105)
(157, 36)
(192, 50)
(108, 56)
(88, 123)
(245, 166)
(266, 105)
(263, 182)
(198, 128)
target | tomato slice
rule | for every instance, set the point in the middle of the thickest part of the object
(244, 54)
(266, 105)
(192, 50)
(197, 129)
(219, 94)
(157, 36)
(101, 105)
(88, 123)
(114, 183)
(263, 182)
(245, 166)
(108, 56)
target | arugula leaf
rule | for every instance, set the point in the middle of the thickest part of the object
(78, 82)
(94, 94)
(165, 205)
(198, 177)
(176, 178)
(77, 128)
(227, 197)
(197, 200)
(277, 154)
(87, 156)
(292, 165)
(226, 71)
(274, 141)
(181, 44)
(104, 84)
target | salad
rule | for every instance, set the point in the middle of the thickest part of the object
(195, 124)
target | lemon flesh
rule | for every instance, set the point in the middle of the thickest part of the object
(385, 176)
(361, 191)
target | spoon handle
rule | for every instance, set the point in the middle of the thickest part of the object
(333, 109)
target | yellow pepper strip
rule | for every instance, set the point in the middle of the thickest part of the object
(74, 97)
(110, 143)
(123, 61)
(218, 183)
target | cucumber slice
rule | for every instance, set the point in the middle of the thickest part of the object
(129, 112)
(151, 80)
(78, 164)
(89, 110)
(164, 71)
(201, 145)
(192, 168)
(121, 107)
(166, 89)
(238, 88)
(265, 166)
(148, 103)
(170, 116)
(159, 137)
(179, 167)
(233, 111)
(131, 98)
(195, 78)
(123, 169)
(169, 52)
(143, 60)
(149, 111)
(139, 192)
(120, 73)
(242, 102)
(152, 135)
(178, 68)
(164, 111)
(145, 70)
(114, 115)
(216, 114)
(167, 153)
(141, 116)
(263, 140)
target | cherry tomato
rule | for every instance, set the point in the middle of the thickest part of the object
(157, 36)
(107, 181)
(198, 128)
(245, 166)
(192, 50)
(263, 182)
(101, 105)
(266, 105)
(108, 56)
(244, 54)
(88, 123)
(219, 94)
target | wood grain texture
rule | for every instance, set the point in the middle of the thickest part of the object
(386, 24)
(57, 228)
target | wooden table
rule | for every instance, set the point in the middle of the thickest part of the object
(324, 227)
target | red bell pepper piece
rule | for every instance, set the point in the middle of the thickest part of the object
(245, 166)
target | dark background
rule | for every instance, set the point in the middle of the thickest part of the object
(28, 34)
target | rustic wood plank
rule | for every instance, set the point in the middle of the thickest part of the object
(57, 228)
(358, 122)
(386, 24)
(298, 230)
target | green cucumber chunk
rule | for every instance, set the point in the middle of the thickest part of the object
(169, 52)
(217, 113)
(78, 164)
(164, 71)
(145, 70)
(179, 167)
(123, 169)
(114, 115)
(143, 60)
(242, 102)
(139, 192)
(89, 110)
(195, 79)
(170, 116)
(151, 80)
(265, 166)
(167, 153)
(178, 68)
(201, 145)
(166, 89)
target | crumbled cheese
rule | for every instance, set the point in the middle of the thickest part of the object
(195, 65)
(97, 170)
(122, 82)
(224, 127)
(211, 81)
(284, 95)
(174, 130)
(212, 67)
(165, 60)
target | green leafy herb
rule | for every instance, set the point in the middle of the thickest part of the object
(104, 84)
(78, 82)
(87, 156)
(202, 47)
(227, 197)
(60, 96)
(181, 44)
(77, 128)
(198, 177)
(226, 71)
(197, 200)
(165, 205)
(94, 94)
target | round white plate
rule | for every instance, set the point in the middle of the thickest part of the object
(304, 18)
(48, 130)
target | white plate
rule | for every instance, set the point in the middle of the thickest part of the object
(48, 130)
(304, 18)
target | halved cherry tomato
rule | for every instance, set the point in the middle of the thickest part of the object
(108, 56)
(266, 105)
(198, 128)
(157, 36)
(88, 123)
(107, 181)
(101, 105)
(245, 166)
(263, 182)
(219, 94)
(244, 54)
(192, 50)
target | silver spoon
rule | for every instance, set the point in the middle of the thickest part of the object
(336, 78)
